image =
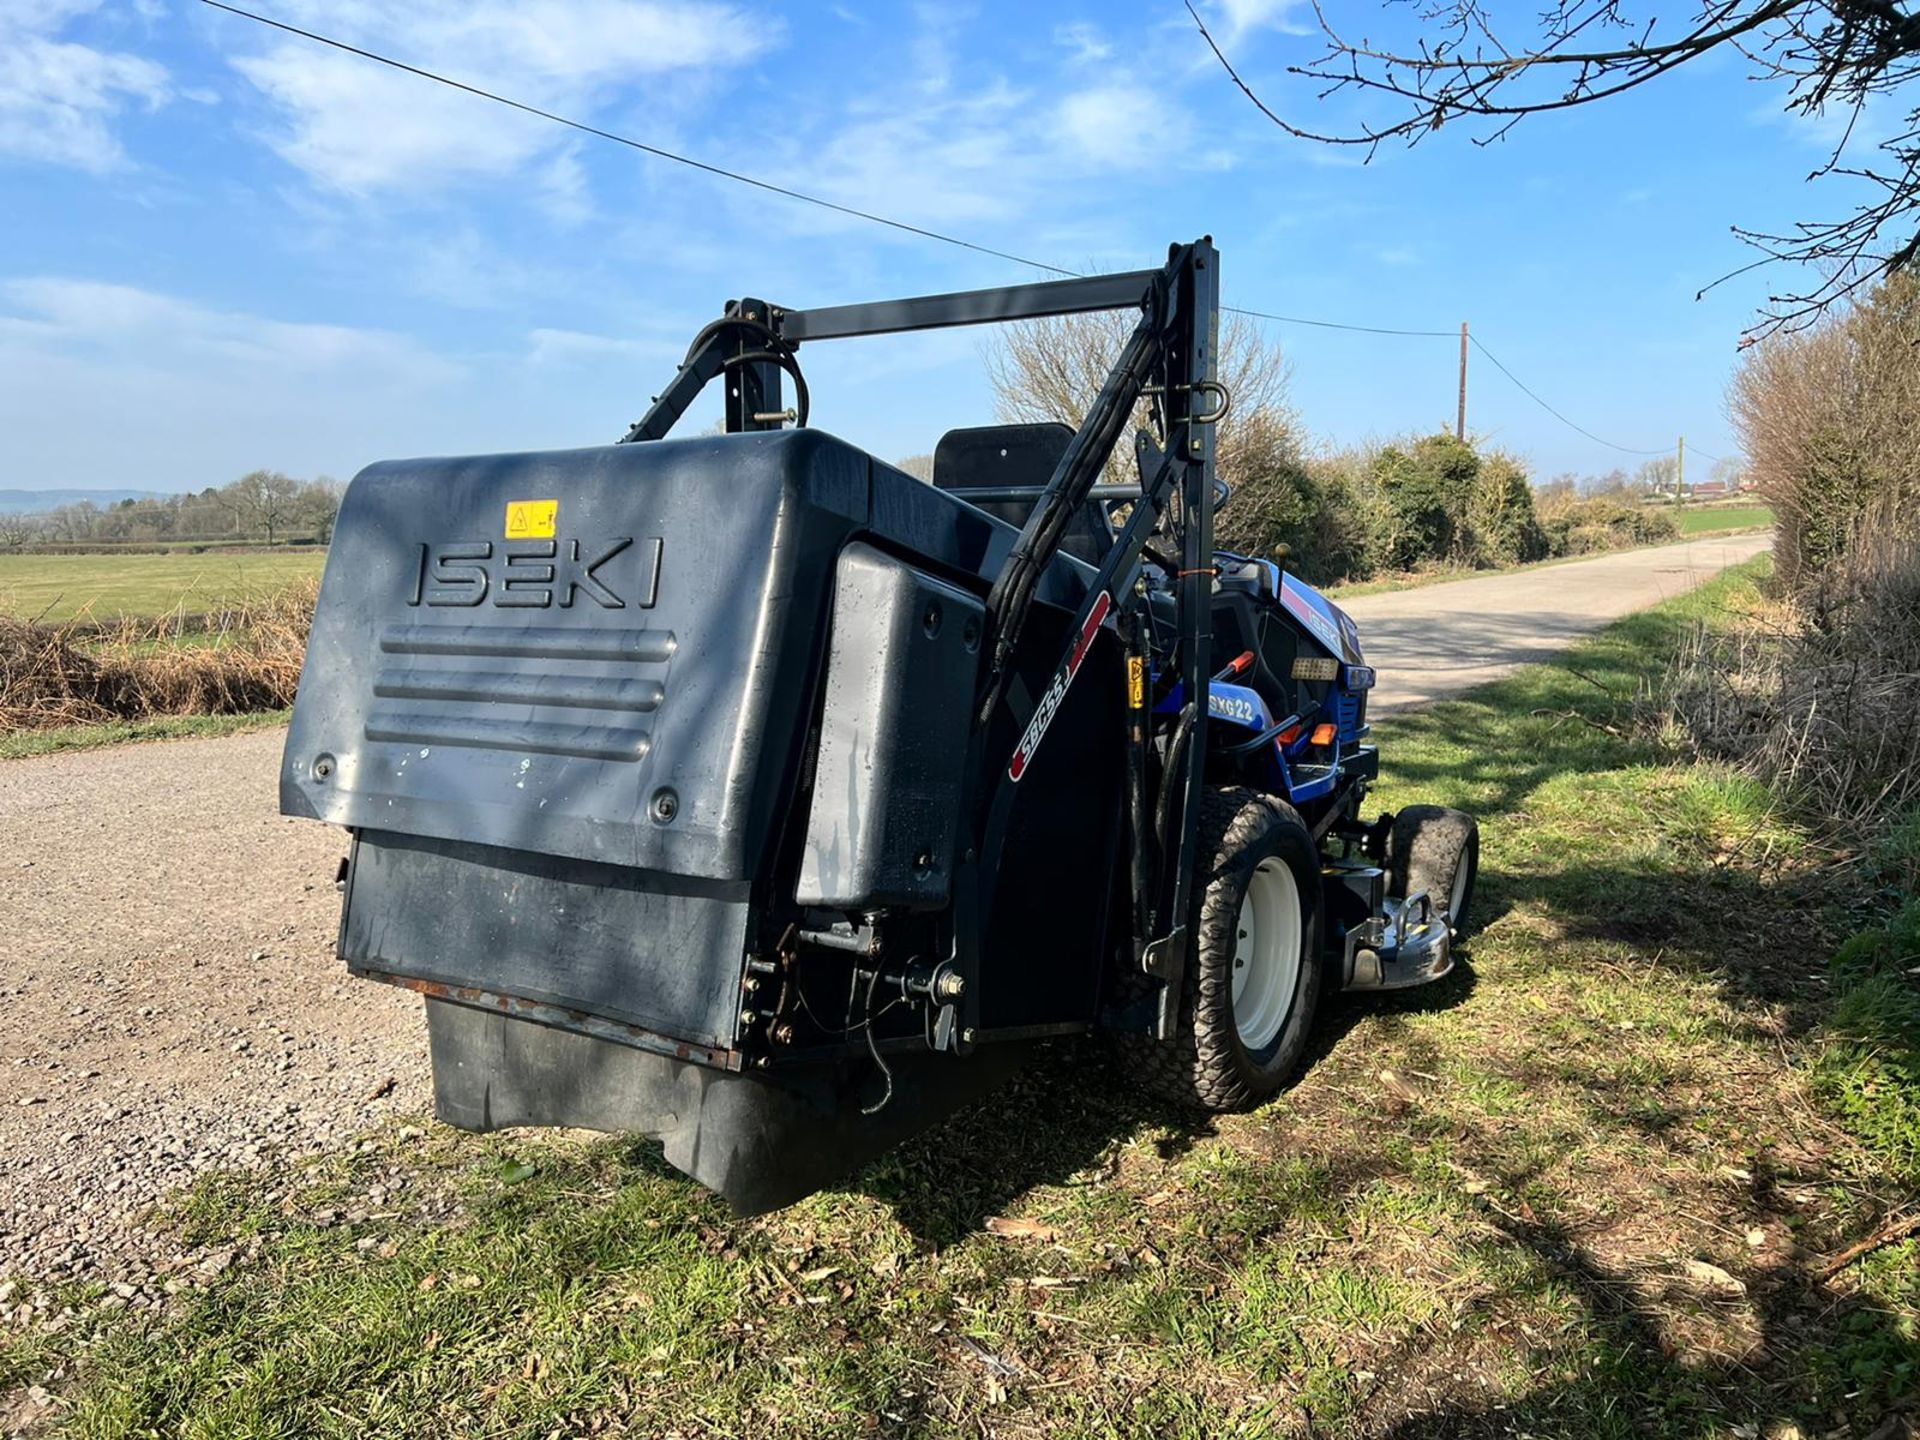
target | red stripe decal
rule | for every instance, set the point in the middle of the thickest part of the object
(1057, 691)
(1101, 605)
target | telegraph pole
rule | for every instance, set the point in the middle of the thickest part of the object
(1460, 422)
(1680, 473)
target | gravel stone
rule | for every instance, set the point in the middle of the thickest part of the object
(170, 916)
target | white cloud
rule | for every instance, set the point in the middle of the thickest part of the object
(579, 348)
(947, 143)
(59, 98)
(464, 269)
(108, 381)
(562, 183)
(93, 317)
(1245, 16)
(1112, 126)
(1083, 38)
(359, 127)
(937, 161)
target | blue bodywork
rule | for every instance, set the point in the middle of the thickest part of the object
(1294, 766)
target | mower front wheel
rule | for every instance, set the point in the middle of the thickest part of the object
(1254, 968)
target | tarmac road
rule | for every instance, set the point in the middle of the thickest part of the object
(169, 1000)
(1437, 640)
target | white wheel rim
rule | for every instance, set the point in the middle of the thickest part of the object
(1266, 956)
(1457, 897)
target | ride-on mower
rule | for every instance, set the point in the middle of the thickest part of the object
(747, 791)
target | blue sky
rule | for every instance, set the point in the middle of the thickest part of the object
(225, 248)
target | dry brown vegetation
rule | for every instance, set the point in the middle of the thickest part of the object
(233, 662)
(1829, 421)
(1820, 696)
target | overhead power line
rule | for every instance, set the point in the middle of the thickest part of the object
(855, 213)
(1333, 324)
(1527, 390)
(734, 175)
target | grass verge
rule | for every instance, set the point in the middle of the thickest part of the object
(1583, 1188)
(240, 662)
(26, 744)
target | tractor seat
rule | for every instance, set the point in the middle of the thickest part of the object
(1002, 455)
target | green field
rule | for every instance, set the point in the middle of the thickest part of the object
(106, 587)
(1706, 519)
(1586, 1187)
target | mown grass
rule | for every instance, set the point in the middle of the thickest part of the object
(1706, 519)
(1590, 1199)
(107, 587)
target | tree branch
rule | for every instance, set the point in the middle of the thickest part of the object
(1824, 51)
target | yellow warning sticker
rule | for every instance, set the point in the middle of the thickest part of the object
(532, 519)
(1137, 681)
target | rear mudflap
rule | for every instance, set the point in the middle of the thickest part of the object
(760, 1140)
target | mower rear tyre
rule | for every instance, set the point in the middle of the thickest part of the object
(1254, 969)
(1436, 850)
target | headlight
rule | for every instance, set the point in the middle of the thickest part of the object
(1309, 668)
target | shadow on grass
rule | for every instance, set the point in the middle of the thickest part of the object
(1720, 924)
(1811, 1352)
(1815, 1355)
(1059, 1121)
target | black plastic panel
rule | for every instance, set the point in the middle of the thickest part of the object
(893, 736)
(647, 950)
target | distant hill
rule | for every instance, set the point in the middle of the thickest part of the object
(35, 502)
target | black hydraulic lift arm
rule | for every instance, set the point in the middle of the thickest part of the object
(1174, 344)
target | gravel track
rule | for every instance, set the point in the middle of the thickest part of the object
(169, 999)
(1438, 640)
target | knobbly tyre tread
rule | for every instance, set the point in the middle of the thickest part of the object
(1425, 849)
(1204, 1065)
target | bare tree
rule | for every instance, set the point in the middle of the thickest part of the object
(1051, 369)
(1729, 471)
(1659, 478)
(1832, 55)
(267, 497)
(317, 506)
